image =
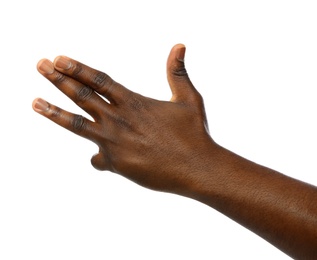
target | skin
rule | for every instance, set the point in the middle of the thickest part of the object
(183, 159)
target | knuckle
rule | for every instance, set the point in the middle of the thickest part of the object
(84, 93)
(179, 72)
(122, 123)
(199, 98)
(104, 83)
(78, 123)
(60, 78)
(77, 70)
(101, 79)
(99, 162)
(137, 104)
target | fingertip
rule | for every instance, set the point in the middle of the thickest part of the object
(179, 45)
(58, 57)
(40, 105)
(62, 62)
(176, 56)
(179, 50)
(98, 162)
(45, 66)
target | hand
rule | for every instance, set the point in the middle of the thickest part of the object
(166, 146)
(157, 144)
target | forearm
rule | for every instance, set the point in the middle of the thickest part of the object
(276, 207)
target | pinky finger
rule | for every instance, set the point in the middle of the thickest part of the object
(72, 122)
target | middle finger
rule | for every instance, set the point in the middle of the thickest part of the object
(81, 94)
(97, 80)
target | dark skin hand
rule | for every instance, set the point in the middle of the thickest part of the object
(166, 146)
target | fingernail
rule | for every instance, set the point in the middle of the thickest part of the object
(45, 66)
(40, 105)
(181, 54)
(62, 63)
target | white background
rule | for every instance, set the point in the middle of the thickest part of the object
(255, 63)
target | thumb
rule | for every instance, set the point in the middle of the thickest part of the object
(180, 84)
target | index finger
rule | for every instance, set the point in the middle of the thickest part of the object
(97, 80)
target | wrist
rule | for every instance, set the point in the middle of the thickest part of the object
(206, 170)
